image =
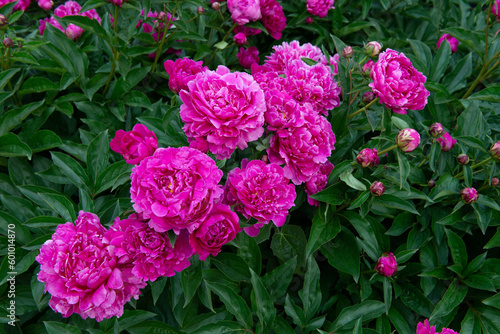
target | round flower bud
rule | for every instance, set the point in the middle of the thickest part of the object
(309, 20)
(431, 184)
(372, 49)
(240, 39)
(367, 68)
(469, 195)
(463, 159)
(367, 158)
(446, 142)
(377, 188)
(494, 182)
(200, 10)
(161, 17)
(408, 140)
(368, 97)
(495, 151)
(8, 42)
(387, 265)
(436, 130)
(4, 21)
(216, 6)
(347, 52)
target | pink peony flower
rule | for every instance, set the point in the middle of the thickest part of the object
(244, 11)
(367, 158)
(45, 4)
(248, 57)
(469, 195)
(118, 3)
(135, 145)
(377, 188)
(495, 151)
(303, 149)
(387, 265)
(175, 188)
(397, 83)
(220, 227)
(408, 140)
(21, 5)
(446, 142)
(318, 182)
(319, 7)
(283, 55)
(367, 67)
(261, 191)
(425, 328)
(181, 72)
(450, 39)
(273, 18)
(225, 109)
(240, 39)
(149, 252)
(83, 274)
(495, 9)
(69, 8)
(448, 331)
(283, 111)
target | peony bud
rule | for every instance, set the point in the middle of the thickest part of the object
(469, 195)
(161, 17)
(463, 159)
(408, 140)
(446, 142)
(368, 97)
(436, 130)
(264, 158)
(4, 22)
(309, 20)
(431, 184)
(347, 52)
(200, 10)
(240, 39)
(495, 151)
(377, 188)
(387, 265)
(367, 158)
(367, 68)
(73, 32)
(372, 49)
(494, 182)
(215, 6)
(8, 42)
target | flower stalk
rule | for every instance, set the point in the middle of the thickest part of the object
(362, 109)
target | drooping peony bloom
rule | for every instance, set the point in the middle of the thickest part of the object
(248, 57)
(175, 188)
(83, 274)
(319, 7)
(149, 252)
(226, 109)
(377, 188)
(425, 328)
(135, 145)
(446, 142)
(436, 130)
(387, 265)
(244, 11)
(261, 191)
(220, 227)
(318, 182)
(495, 151)
(273, 18)
(368, 157)
(408, 140)
(469, 195)
(397, 83)
(181, 72)
(45, 4)
(450, 39)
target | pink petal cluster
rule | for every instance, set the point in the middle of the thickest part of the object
(273, 18)
(319, 7)
(469, 195)
(283, 55)
(219, 228)
(446, 142)
(397, 83)
(248, 57)
(283, 111)
(425, 328)
(181, 72)
(175, 188)
(318, 182)
(408, 140)
(387, 265)
(244, 11)
(450, 39)
(224, 109)
(135, 145)
(240, 39)
(148, 252)
(83, 274)
(261, 191)
(367, 158)
(45, 4)
(21, 5)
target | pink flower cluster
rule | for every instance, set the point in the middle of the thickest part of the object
(425, 328)
(319, 7)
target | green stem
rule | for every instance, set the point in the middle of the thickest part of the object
(486, 34)
(363, 60)
(223, 39)
(387, 150)
(423, 162)
(475, 166)
(362, 109)
(481, 76)
(113, 49)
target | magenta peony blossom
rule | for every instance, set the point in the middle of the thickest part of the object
(244, 11)
(469, 195)
(273, 18)
(425, 328)
(283, 111)
(175, 188)
(408, 140)
(318, 182)
(319, 7)
(368, 157)
(446, 142)
(83, 274)
(377, 188)
(225, 109)
(387, 265)
(135, 145)
(283, 55)
(261, 191)
(303, 149)
(448, 331)
(45, 4)
(149, 252)
(397, 83)
(181, 72)
(21, 5)
(240, 39)
(220, 227)
(248, 57)
(450, 39)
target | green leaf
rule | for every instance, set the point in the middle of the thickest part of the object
(369, 309)
(37, 85)
(97, 156)
(311, 293)
(360, 200)
(475, 264)
(351, 181)
(494, 241)
(265, 306)
(278, 280)
(249, 251)
(387, 294)
(14, 117)
(332, 195)
(54, 327)
(404, 168)
(422, 52)
(405, 255)
(12, 146)
(441, 62)
(466, 36)
(290, 242)
(24, 58)
(451, 299)
(131, 318)
(72, 169)
(434, 155)
(493, 301)
(88, 24)
(343, 254)
(480, 282)
(280, 325)
(322, 230)
(394, 202)
(399, 322)
(109, 176)
(92, 4)
(412, 297)
(457, 247)
(233, 266)
(149, 327)
(23, 236)
(191, 280)
(486, 201)
(135, 98)
(457, 79)
(401, 223)
(295, 312)
(6, 75)
(491, 94)
(44, 140)
(363, 227)
(125, 84)
(61, 205)
(471, 122)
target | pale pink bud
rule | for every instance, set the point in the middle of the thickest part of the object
(469, 195)
(377, 188)
(4, 21)
(367, 158)
(494, 182)
(408, 140)
(347, 52)
(367, 68)
(73, 32)
(436, 130)
(215, 6)
(368, 97)
(372, 49)
(200, 10)
(463, 159)
(387, 265)
(495, 151)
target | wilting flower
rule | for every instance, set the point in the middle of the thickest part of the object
(446, 142)
(240, 39)
(367, 157)
(469, 195)
(408, 140)
(220, 227)
(83, 274)
(387, 265)
(450, 39)
(372, 49)
(245, 11)
(225, 109)
(397, 83)
(181, 71)
(495, 151)
(135, 145)
(319, 7)
(436, 130)
(377, 188)
(318, 182)
(273, 18)
(248, 57)
(175, 188)
(463, 159)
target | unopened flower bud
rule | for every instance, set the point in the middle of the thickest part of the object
(309, 20)
(161, 17)
(8, 42)
(367, 68)
(200, 10)
(215, 6)
(4, 21)
(377, 188)
(347, 52)
(431, 184)
(463, 159)
(372, 49)
(240, 39)
(367, 158)
(495, 151)
(368, 97)
(494, 182)
(436, 130)
(264, 158)
(446, 141)
(469, 195)
(387, 265)
(408, 140)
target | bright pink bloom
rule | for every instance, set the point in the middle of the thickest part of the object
(273, 18)
(21, 5)
(446, 142)
(387, 265)
(149, 252)
(408, 140)
(397, 83)
(135, 145)
(495, 9)
(220, 227)
(248, 57)
(319, 7)
(448, 331)
(368, 157)
(45, 4)
(244, 11)
(175, 188)
(118, 3)
(318, 182)
(83, 274)
(240, 39)
(283, 55)
(452, 40)
(283, 111)
(425, 328)
(469, 195)
(224, 108)
(200, 144)
(367, 67)
(181, 72)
